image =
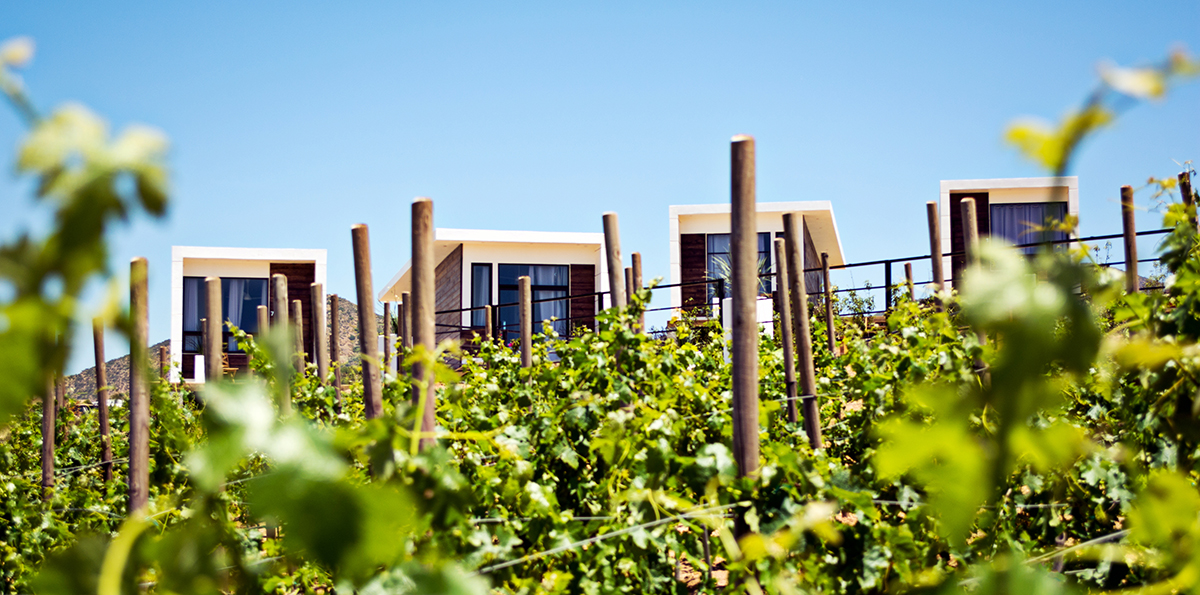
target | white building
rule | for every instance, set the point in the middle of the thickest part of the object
(1009, 208)
(480, 267)
(245, 284)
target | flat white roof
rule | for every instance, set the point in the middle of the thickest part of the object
(761, 207)
(998, 183)
(272, 254)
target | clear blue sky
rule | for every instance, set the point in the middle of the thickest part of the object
(292, 121)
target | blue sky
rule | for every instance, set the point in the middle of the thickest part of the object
(290, 122)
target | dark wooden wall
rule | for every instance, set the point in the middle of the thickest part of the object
(814, 281)
(983, 217)
(447, 285)
(583, 310)
(693, 268)
(300, 277)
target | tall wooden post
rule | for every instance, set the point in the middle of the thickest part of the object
(887, 288)
(525, 305)
(612, 251)
(970, 231)
(793, 226)
(264, 323)
(638, 285)
(935, 247)
(164, 361)
(320, 332)
(406, 334)
(908, 280)
(830, 329)
(297, 328)
(49, 412)
(387, 337)
(213, 334)
(279, 301)
(1131, 264)
(367, 342)
(423, 328)
(60, 392)
(744, 277)
(335, 345)
(487, 323)
(785, 329)
(628, 285)
(139, 387)
(1185, 192)
(102, 399)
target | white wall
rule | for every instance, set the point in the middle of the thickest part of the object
(513, 253)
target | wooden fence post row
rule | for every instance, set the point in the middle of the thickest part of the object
(423, 325)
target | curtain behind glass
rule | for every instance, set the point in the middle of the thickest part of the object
(547, 310)
(1015, 222)
(481, 291)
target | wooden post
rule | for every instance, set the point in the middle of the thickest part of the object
(970, 231)
(1185, 192)
(793, 225)
(387, 337)
(487, 323)
(612, 247)
(139, 391)
(785, 329)
(423, 328)
(908, 280)
(887, 288)
(335, 345)
(163, 362)
(102, 399)
(367, 343)
(524, 299)
(49, 411)
(297, 342)
(279, 301)
(213, 315)
(60, 392)
(830, 329)
(406, 334)
(320, 332)
(638, 285)
(935, 247)
(264, 324)
(1131, 264)
(744, 277)
(628, 285)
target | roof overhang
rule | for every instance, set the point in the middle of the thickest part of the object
(818, 215)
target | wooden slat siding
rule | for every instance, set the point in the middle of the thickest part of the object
(189, 366)
(814, 280)
(693, 267)
(300, 277)
(583, 310)
(983, 218)
(447, 283)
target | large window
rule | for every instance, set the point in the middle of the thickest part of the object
(546, 281)
(481, 291)
(1019, 222)
(240, 299)
(718, 262)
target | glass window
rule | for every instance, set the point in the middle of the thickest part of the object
(481, 291)
(719, 267)
(240, 299)
(1018, 222)
(546, 283)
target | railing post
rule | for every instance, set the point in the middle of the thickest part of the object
(320, 334)
(744, 275)
(213, 334)
(935, 249)
(785, 330)
(908, 281)
(139, 388)
(830, 329)
(526, 313)
(1130, 230)
(102, 399)
(423, 329)
(793, 225)
(887, 288)
(368, 345)
(612, 247)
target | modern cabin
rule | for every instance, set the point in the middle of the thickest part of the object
(245, 285)
(699, 248)
(479, 268)
(1015, 209)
